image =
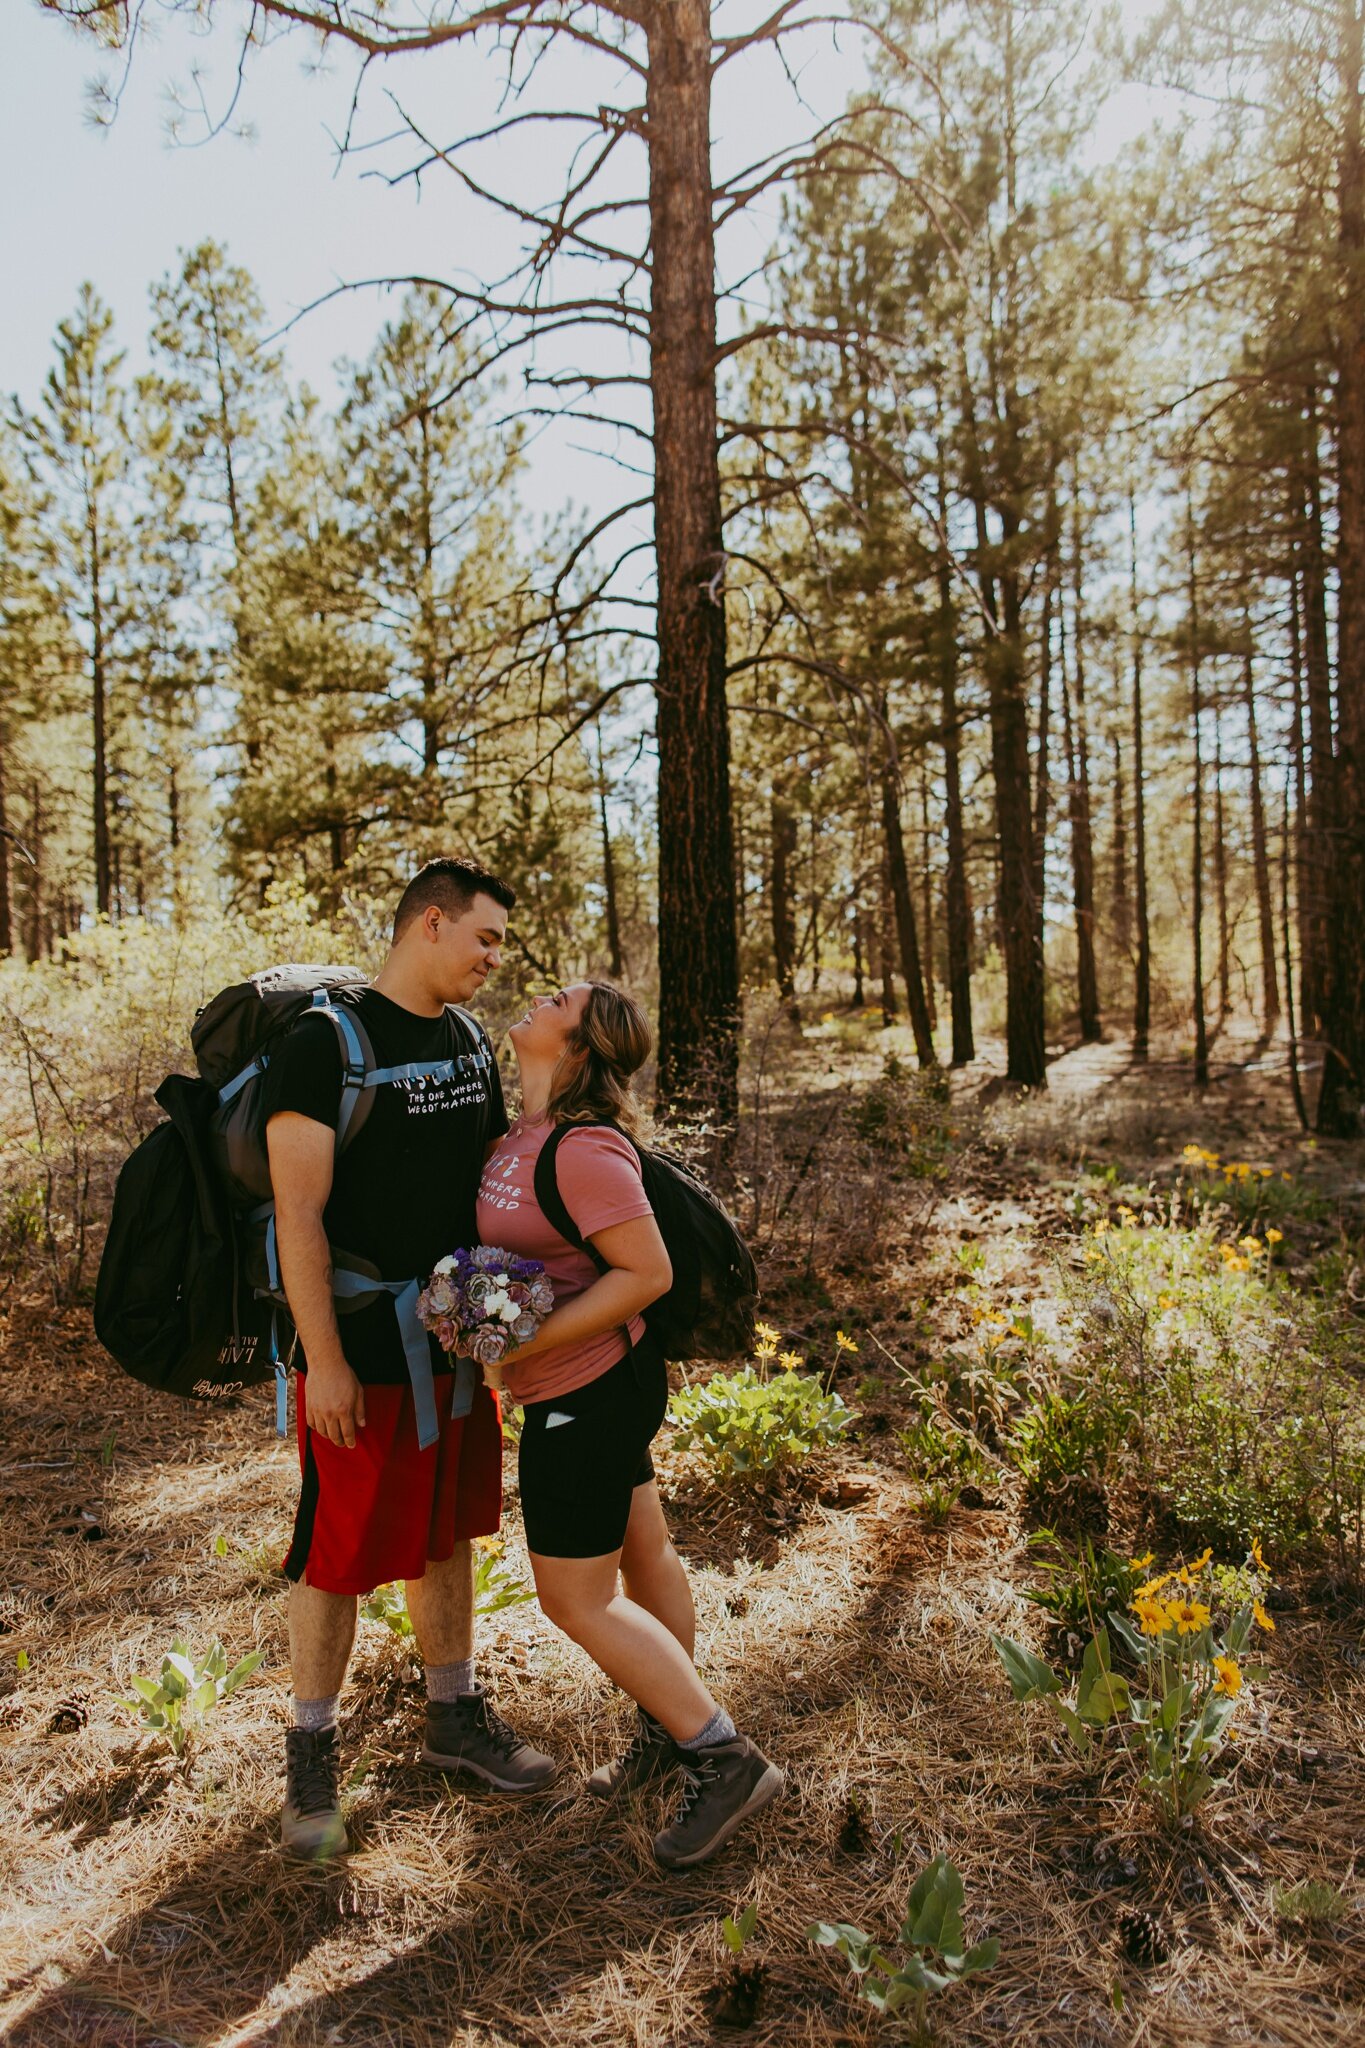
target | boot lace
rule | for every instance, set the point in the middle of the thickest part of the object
(503, 1739)
(698, 1778)
(313, 1775)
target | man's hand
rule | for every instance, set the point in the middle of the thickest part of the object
(335, 1402)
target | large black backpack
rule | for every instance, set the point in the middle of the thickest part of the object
(189, 1289)
(709, 1310)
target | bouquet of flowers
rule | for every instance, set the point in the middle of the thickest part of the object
(483, 1303)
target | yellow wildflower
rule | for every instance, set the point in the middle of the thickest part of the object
(792, 1360)
(1140, 1564)
(1167, 1300)
(843, 1341)
(1200, 1562)
(1153, 1587)
(1128, 1215)
(765, 1349)
(1102, 1226)
(1250, 1244)
(1286, 1176)
(1256, 1557)
(1274, 1236)
(765, 1332)
(1238, 1265)
(1229, 1677)
(1259, 1615)
(490, 1545)
(1154, 1616)
(1189, 1616)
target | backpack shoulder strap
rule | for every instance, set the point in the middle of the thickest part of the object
(552, 1204)
(357, 1056)
(483, 1044)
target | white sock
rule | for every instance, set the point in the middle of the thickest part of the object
(447, 1682)
(315, 1715)
(720, 1728)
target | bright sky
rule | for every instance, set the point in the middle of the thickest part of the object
(115, 206)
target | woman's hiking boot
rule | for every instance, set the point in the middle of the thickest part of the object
(467, 1735)
(311, 1827)
(650, 1752)
(725, 1783)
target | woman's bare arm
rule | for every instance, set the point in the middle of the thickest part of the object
(638, 1271)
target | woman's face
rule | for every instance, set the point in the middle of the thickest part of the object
(544, 1030)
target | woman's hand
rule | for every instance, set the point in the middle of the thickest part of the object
(639, 1270)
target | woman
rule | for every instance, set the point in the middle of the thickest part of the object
(594, 1388)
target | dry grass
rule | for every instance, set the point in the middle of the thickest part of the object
(146, 1903)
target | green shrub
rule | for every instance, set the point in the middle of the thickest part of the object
(1083, 1585)
(905, 1113)
(936, 1955)
(941, 1460)
(494, 1588)
(746, 1425)
(178, 1703)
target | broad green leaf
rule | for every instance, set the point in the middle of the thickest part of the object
(1136, 1645)
(1074, 1726)
(1100, 1694)
(933, 1915)
(204, 1696)
(850, 1941)
(1030, 1678)
(243, 1668)
(145, 1688)
(220, 1546)
(983, 1955)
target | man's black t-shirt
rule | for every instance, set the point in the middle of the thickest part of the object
(403, 1190)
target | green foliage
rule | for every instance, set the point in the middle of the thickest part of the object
(1182, 1700)
(746, 1425)
(1082, 1584)
(495, 1587)
(905, 1114)
(941, 1460)
(1313, 1901)
(736, 1932)
(936, 1956)
(1063, 1437)
(181, 1700)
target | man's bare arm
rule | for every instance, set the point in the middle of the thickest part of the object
(301, 1153)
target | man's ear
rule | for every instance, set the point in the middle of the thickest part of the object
(431, 922)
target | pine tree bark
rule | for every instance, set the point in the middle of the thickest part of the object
(903, 903)
(698, 949)
(1260, 855)
(1122, 901)
(886, 944)
(927, 892)
(1220, 872)
(615, 963)
(1201, 1028)
(1042, 778)
(6, 906)
(1341, 1102)
(1302, 850)
(1311, 555)
(1142, 969)
(98, 716)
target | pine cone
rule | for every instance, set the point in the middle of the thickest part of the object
(1144, 1941)
(736, 1999)
(853, 1834)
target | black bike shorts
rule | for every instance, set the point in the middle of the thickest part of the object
(583, 1454)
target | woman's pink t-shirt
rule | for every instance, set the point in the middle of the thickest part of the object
(599, 1179)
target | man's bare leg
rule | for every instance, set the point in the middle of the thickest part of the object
(441, 1604)
(321, 1638)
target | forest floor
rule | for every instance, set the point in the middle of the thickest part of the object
(146, 1902)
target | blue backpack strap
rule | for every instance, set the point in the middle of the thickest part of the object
(358, 1070)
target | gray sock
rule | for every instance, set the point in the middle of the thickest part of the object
(446, 1682)
(720, 1728)
(315, 1715)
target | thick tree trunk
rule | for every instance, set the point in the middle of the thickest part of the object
(1260, 857)
(886, 944)
(1119, 894)
(859, 995)
(1295, 1082)
(1025, 1051)
(1042, 774)
(1302, 849)
(782, 844)
(698, 949)
(1142, 968)
(956, 901)
(98, 721)
(1341, 1103)
(904, 905)
(615, 963)
(33, 936)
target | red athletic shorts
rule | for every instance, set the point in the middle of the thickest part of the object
(387, 1509)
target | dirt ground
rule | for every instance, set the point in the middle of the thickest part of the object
(145, 1902)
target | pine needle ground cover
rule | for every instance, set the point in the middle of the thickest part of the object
(145, 1902)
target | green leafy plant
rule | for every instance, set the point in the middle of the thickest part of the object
(736, 1932)
(905, 1113)
(746, 1425)
(936, 1956)
(495, 1587)
(1082, 1584)
(1182, 1701)
(178, 1703)
(941, 1459)
(1313, 1902)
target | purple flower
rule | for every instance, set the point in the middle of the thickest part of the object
(542, 1296)
(488, 1257)
(525, 1327)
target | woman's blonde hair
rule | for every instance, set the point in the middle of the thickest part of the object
(610, 1042)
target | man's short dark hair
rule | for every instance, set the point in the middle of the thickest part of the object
(451, 884)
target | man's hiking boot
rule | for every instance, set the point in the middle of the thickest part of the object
(467, 1735)
(311, 1827)
(726, 1782)
(650, 1752)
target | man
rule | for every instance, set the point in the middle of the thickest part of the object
(395, 1485)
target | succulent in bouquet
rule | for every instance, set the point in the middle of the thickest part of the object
(484, 1304)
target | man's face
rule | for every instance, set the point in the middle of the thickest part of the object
(467, 948)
